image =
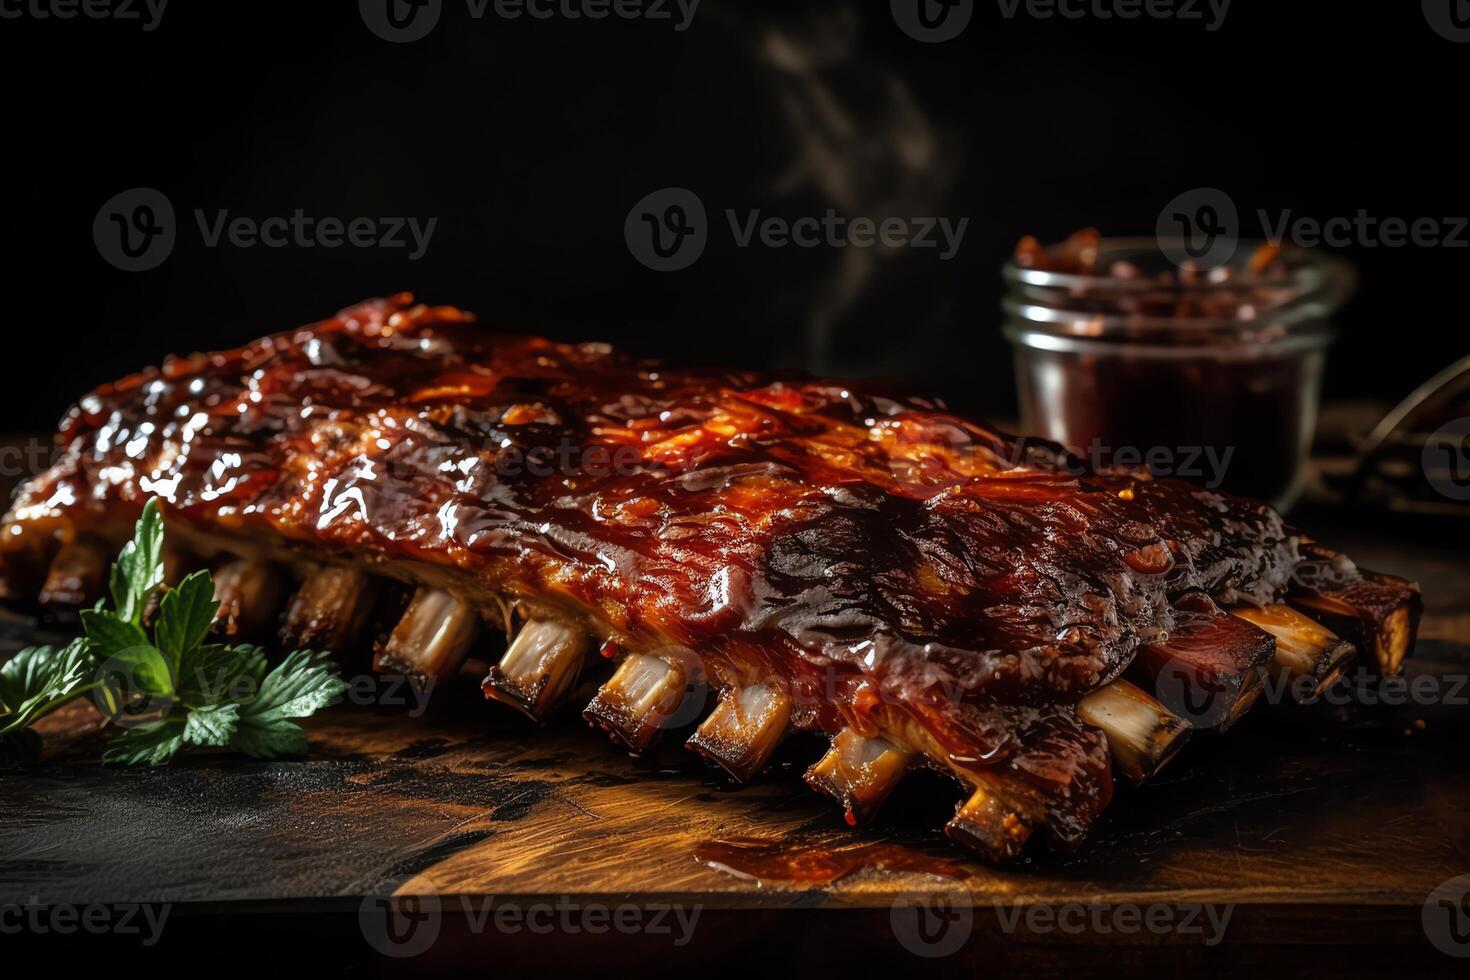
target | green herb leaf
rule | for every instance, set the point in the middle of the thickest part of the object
(215, 673)
(303, 683)
(185, 615)
(153, 743)
(38, 679)
(138, 670)
(110, 635)
(139, 568)
(170, 690)
(213, 724)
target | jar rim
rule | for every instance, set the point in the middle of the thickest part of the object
(1311, 287)
(1071, 343)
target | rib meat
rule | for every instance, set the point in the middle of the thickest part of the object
(824, 555)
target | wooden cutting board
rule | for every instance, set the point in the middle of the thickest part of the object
(1322, 830)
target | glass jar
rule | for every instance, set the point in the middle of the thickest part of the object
(1212, 376)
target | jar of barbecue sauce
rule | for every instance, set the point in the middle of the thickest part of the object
(1210, 375)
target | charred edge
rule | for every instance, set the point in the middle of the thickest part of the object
(1142, 734)
(1377, 613)
(1210, 670)
(433, 637)
(330, 609)
(539, 668)
(991, 825)
(78, 573)
(859, 772)
(638, 701)
(1305, 649)
(249, 594)
(744, 729)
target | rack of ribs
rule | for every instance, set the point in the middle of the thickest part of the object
(748, 555)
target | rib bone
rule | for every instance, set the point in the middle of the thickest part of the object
(432, 638)
(329, 609)
(640, 699)
(78, 573)
(1377, 613)
(249, 594)
(540, 667)
(1142, 734)
(744, 729)
(1305, 649)
(1210, 669)
(859, 772)
(987, 823)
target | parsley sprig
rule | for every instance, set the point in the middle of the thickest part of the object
(170, 689)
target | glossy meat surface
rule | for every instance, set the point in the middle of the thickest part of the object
(870, 548)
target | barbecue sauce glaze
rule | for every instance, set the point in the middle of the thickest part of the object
(881, 556)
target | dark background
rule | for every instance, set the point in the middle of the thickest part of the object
(531, 140)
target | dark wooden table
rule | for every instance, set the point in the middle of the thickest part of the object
(1316, 834)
